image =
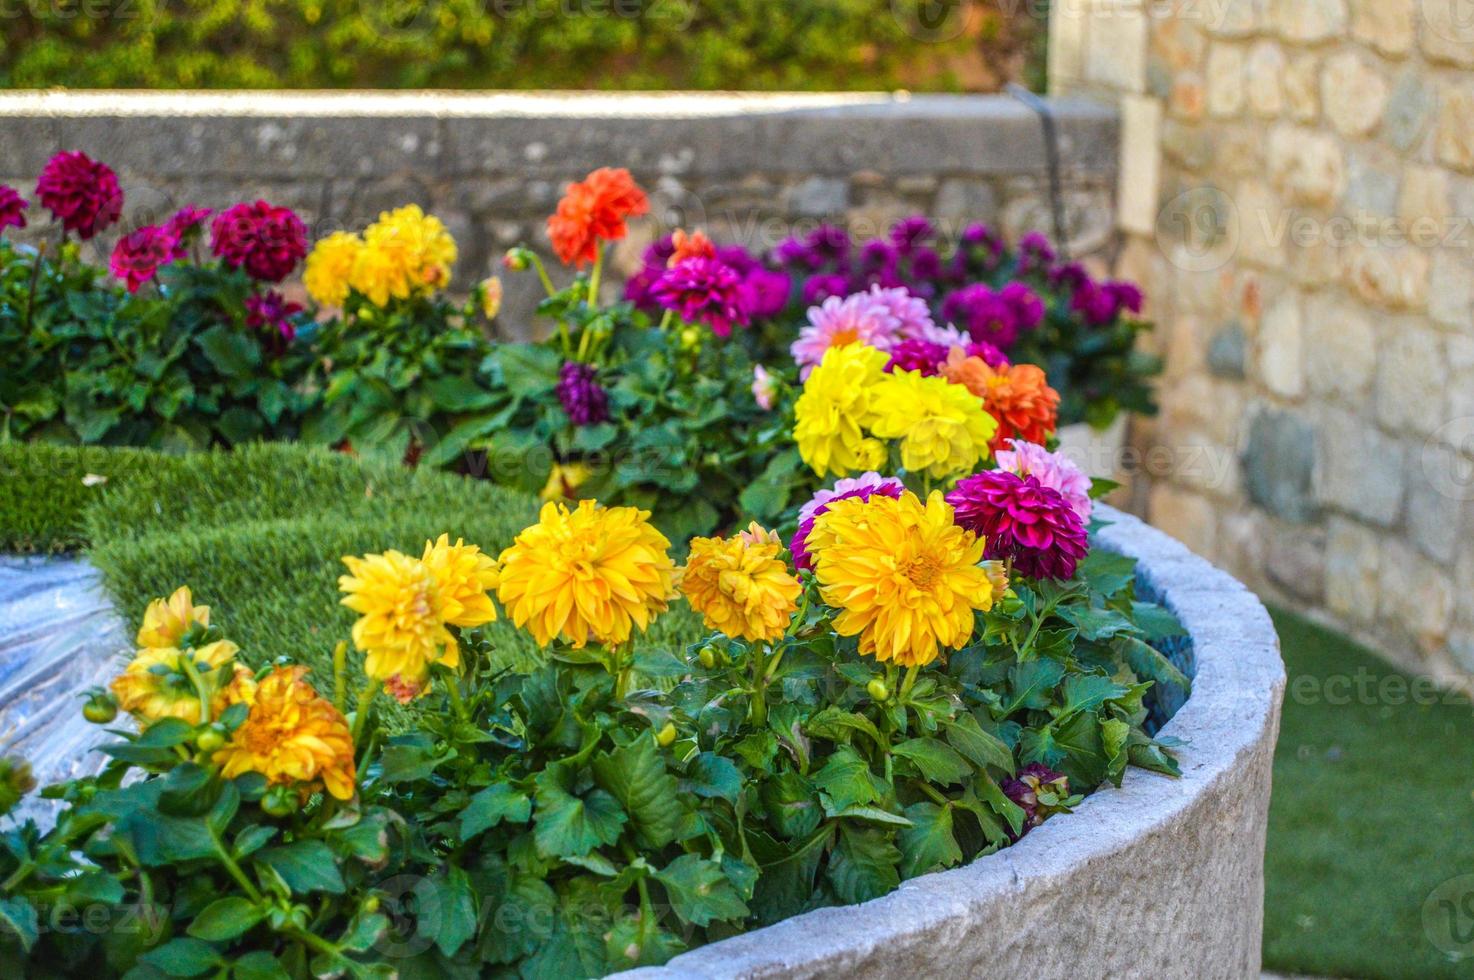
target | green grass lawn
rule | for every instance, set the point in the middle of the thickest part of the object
(1372, 811)
(258, 534)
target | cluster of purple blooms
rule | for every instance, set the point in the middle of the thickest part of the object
(829, 264)
(583, 399)
(727, 289)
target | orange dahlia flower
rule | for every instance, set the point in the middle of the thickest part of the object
(593, 211)
(293, 736)
(693, 246)
(1017, 395)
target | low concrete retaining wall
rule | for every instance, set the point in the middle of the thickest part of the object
(747, 168)
(1161, 878)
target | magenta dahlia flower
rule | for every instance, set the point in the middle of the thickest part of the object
(864, 486)
(819, 288)
(187, 220)
(703, 290)
(81, 193)
(1055, 470)
(270, 315)
(583, 399)
(139, 255)
(991, 356)
(918, 355)
(1023, 520)
(12, 208)
(265, 240)
(1035, 254)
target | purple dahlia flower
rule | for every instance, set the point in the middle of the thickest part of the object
(581, 395)
(1022, 520)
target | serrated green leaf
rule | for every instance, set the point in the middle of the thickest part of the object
(305, 865)
(566, 825)
(984, 749)
(863, 865)
(938, 761)
(700, 892)
(636, 776)
(929, 843)
(493, 805)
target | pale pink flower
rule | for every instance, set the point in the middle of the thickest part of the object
(764, 388)
(1053, 470)
(856, 319)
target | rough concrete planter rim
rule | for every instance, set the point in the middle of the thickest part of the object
(1228, 725)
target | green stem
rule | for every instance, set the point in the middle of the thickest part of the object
(315, 941)
(340, 677)
(772, 669)
(758, 709)
(931, 791)
(594, 279)
(233, 868)
(453, 689)
(365, 701)
(666, 318)
(19, 875)
(912, 673)
(186, 660)
(542, 273)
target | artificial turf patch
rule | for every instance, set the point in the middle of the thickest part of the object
(44, 491)
(1371, 814)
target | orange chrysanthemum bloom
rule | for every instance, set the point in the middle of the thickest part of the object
(293, 736)
(740, 585)
(593, 211)
(693, 246)
(1017, 395)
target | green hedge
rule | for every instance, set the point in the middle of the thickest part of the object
(518, 44)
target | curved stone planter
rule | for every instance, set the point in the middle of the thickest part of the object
(1160, 878)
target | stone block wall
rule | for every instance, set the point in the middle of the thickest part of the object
(1297, 196)
(749, 168)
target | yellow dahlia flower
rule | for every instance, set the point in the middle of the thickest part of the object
(835, 409)
(564, 479)
(418, 248)
(589, 573)
(464, 576)
(377, 276)
(165, 621)
(401, 625)
(740, 585)
(943, 428)
(905, 578)
(329, 270)
(155, 684)
(293, 736)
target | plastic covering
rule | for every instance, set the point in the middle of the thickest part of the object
(59, 635)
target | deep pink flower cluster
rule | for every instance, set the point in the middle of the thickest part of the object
(703, 290)
(264, 240)
(996, 317)
(865, 486)
(81, 193)
(12, 208)
(139, 255)
(270, 315)
(760, 292)
(582, 397)
(1035, 254)
(1023, 520)
(187, 220)
(914, 354)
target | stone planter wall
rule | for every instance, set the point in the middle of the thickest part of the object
(1297, 195)
(1161, 878)
(751, 169)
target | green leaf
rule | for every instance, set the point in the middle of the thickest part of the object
(1087, 692)
(636, 776)
(1114, 735)
(836, 724)
(1093, 623)
(1156, 621)
(455, 911)
(1149, 662)
(1084, 759)
(699, 892)
(457, 394)
(863, 865)
(712, 776)
(983, 748)
(1106, 572)
(19, 918)
(491, 806)
(929, 843)
(528, 370)
(225, 919)
(259, 965)
(847, 779)
(790, 803)
(1032, 682)
(565, 825)
(306, 866)
(938, 762)
(231, 351)
(183, 957)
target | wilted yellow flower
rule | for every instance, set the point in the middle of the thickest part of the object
(401, 626)
(329, 270)
(906, 579)
(155, 685)
(741, 586)
(464, 576)
(590, 573)
(943, 428)
(491, 297)
(293, 736)
(836, 408)
(564, 479)
(167, 620)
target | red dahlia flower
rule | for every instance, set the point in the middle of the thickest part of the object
(139, 255)
(593, 211)
(81, 193)
(265, 240)
(1023, 520)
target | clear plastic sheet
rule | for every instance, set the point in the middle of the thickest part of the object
(59, 635)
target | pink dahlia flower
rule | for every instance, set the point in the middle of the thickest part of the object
(864, 486)
(856, 319)
(265, 240)
(139, 255)
(83, 194)
(918, 355)
(12, 208)
(703, 290)
(764, 388)
(1054, 470)
(912, 315)
(186, 220)
(1023, 520)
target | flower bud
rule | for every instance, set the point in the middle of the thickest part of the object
(666, 735)
(100, 708)
(517, 259)
(877, 689)
(15, 782)
(211, 739)
(279, 801)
